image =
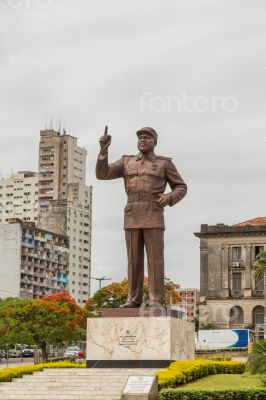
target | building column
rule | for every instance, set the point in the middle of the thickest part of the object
(203, 267)
(225, 270)
(247, 272)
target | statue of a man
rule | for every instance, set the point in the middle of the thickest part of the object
(145, 176)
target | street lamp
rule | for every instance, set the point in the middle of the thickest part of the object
(100, 280)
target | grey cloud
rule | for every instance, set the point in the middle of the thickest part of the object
(48, 67)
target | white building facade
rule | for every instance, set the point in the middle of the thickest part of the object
(19, 197)
(66, 204)
(33, 262)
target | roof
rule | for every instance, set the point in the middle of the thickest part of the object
(256, 226)
(253, 222)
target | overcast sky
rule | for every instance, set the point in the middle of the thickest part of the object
(154, 63)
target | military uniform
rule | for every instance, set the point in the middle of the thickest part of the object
(145, 178)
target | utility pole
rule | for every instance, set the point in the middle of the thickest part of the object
(100, 280)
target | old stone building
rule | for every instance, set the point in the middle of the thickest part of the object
(229, 295)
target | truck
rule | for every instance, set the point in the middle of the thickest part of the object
(215, 339)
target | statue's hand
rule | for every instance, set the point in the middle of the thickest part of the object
(164, 200)
(105, 142)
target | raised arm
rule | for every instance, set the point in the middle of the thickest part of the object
(108, 171)
(103, 169)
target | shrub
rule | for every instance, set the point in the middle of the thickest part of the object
(263, 380)
(257, 359)
(226, 394)
(181, 372)
(7, 374)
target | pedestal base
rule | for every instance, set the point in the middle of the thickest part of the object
(140, 342)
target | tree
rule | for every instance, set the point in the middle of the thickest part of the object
(208, 326)
(260, 273)
(257, 358)
(115, 294)
(53, 320)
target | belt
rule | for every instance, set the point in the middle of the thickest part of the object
(142, 197)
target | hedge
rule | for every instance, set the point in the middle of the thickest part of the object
(181, 372)
(226, 394)
(7, 374)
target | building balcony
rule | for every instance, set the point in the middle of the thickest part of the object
(236, 293)
(237, 264)
(257, 293)
(46, 192)
(62, 280)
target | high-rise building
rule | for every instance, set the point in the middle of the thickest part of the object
(62, 168)
(189, 299)
(230, 296)
(33, 262)
(66, 203)
(19, 197)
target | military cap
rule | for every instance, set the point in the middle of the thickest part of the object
(151, 131)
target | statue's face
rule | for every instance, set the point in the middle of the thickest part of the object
(146, 142)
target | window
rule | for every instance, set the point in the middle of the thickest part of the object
(236, 253)
(237, 277)
(258, 250)
(236, 315)
(258, 315)
(259, 286)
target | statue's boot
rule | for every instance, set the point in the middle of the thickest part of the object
(130, 304)
(154, 303)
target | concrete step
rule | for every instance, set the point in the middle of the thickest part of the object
(70, 384)
(60, 397)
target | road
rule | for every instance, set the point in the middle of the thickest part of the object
(15, 362)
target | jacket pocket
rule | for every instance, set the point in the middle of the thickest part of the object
(155, 207)
(131, 178)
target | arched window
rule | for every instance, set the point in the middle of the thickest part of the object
(236, 315)
(258, 315)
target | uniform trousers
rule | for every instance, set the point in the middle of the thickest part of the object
(153, 241)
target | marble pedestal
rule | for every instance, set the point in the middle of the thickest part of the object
(138, 341)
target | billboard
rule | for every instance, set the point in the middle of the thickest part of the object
(222, 338)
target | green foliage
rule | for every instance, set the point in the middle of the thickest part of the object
(115, 294)
(181, 372)
(227, 394)
(208, 326)
(263, 380)
(257, 358)
(260, 265)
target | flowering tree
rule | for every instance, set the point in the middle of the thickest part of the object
(115, 294)
(53, 320)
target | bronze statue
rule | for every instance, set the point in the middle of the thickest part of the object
(145, 176)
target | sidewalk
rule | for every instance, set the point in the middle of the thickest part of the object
(14, 364)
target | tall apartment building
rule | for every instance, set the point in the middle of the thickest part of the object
(66, 203)
(19, 197)
(33, 262)
(230, 296)
(189, 299)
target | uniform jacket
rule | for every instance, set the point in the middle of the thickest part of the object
(144, 178)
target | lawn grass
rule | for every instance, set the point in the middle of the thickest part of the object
(224, 381)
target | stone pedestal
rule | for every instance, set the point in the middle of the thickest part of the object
(149, 341)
